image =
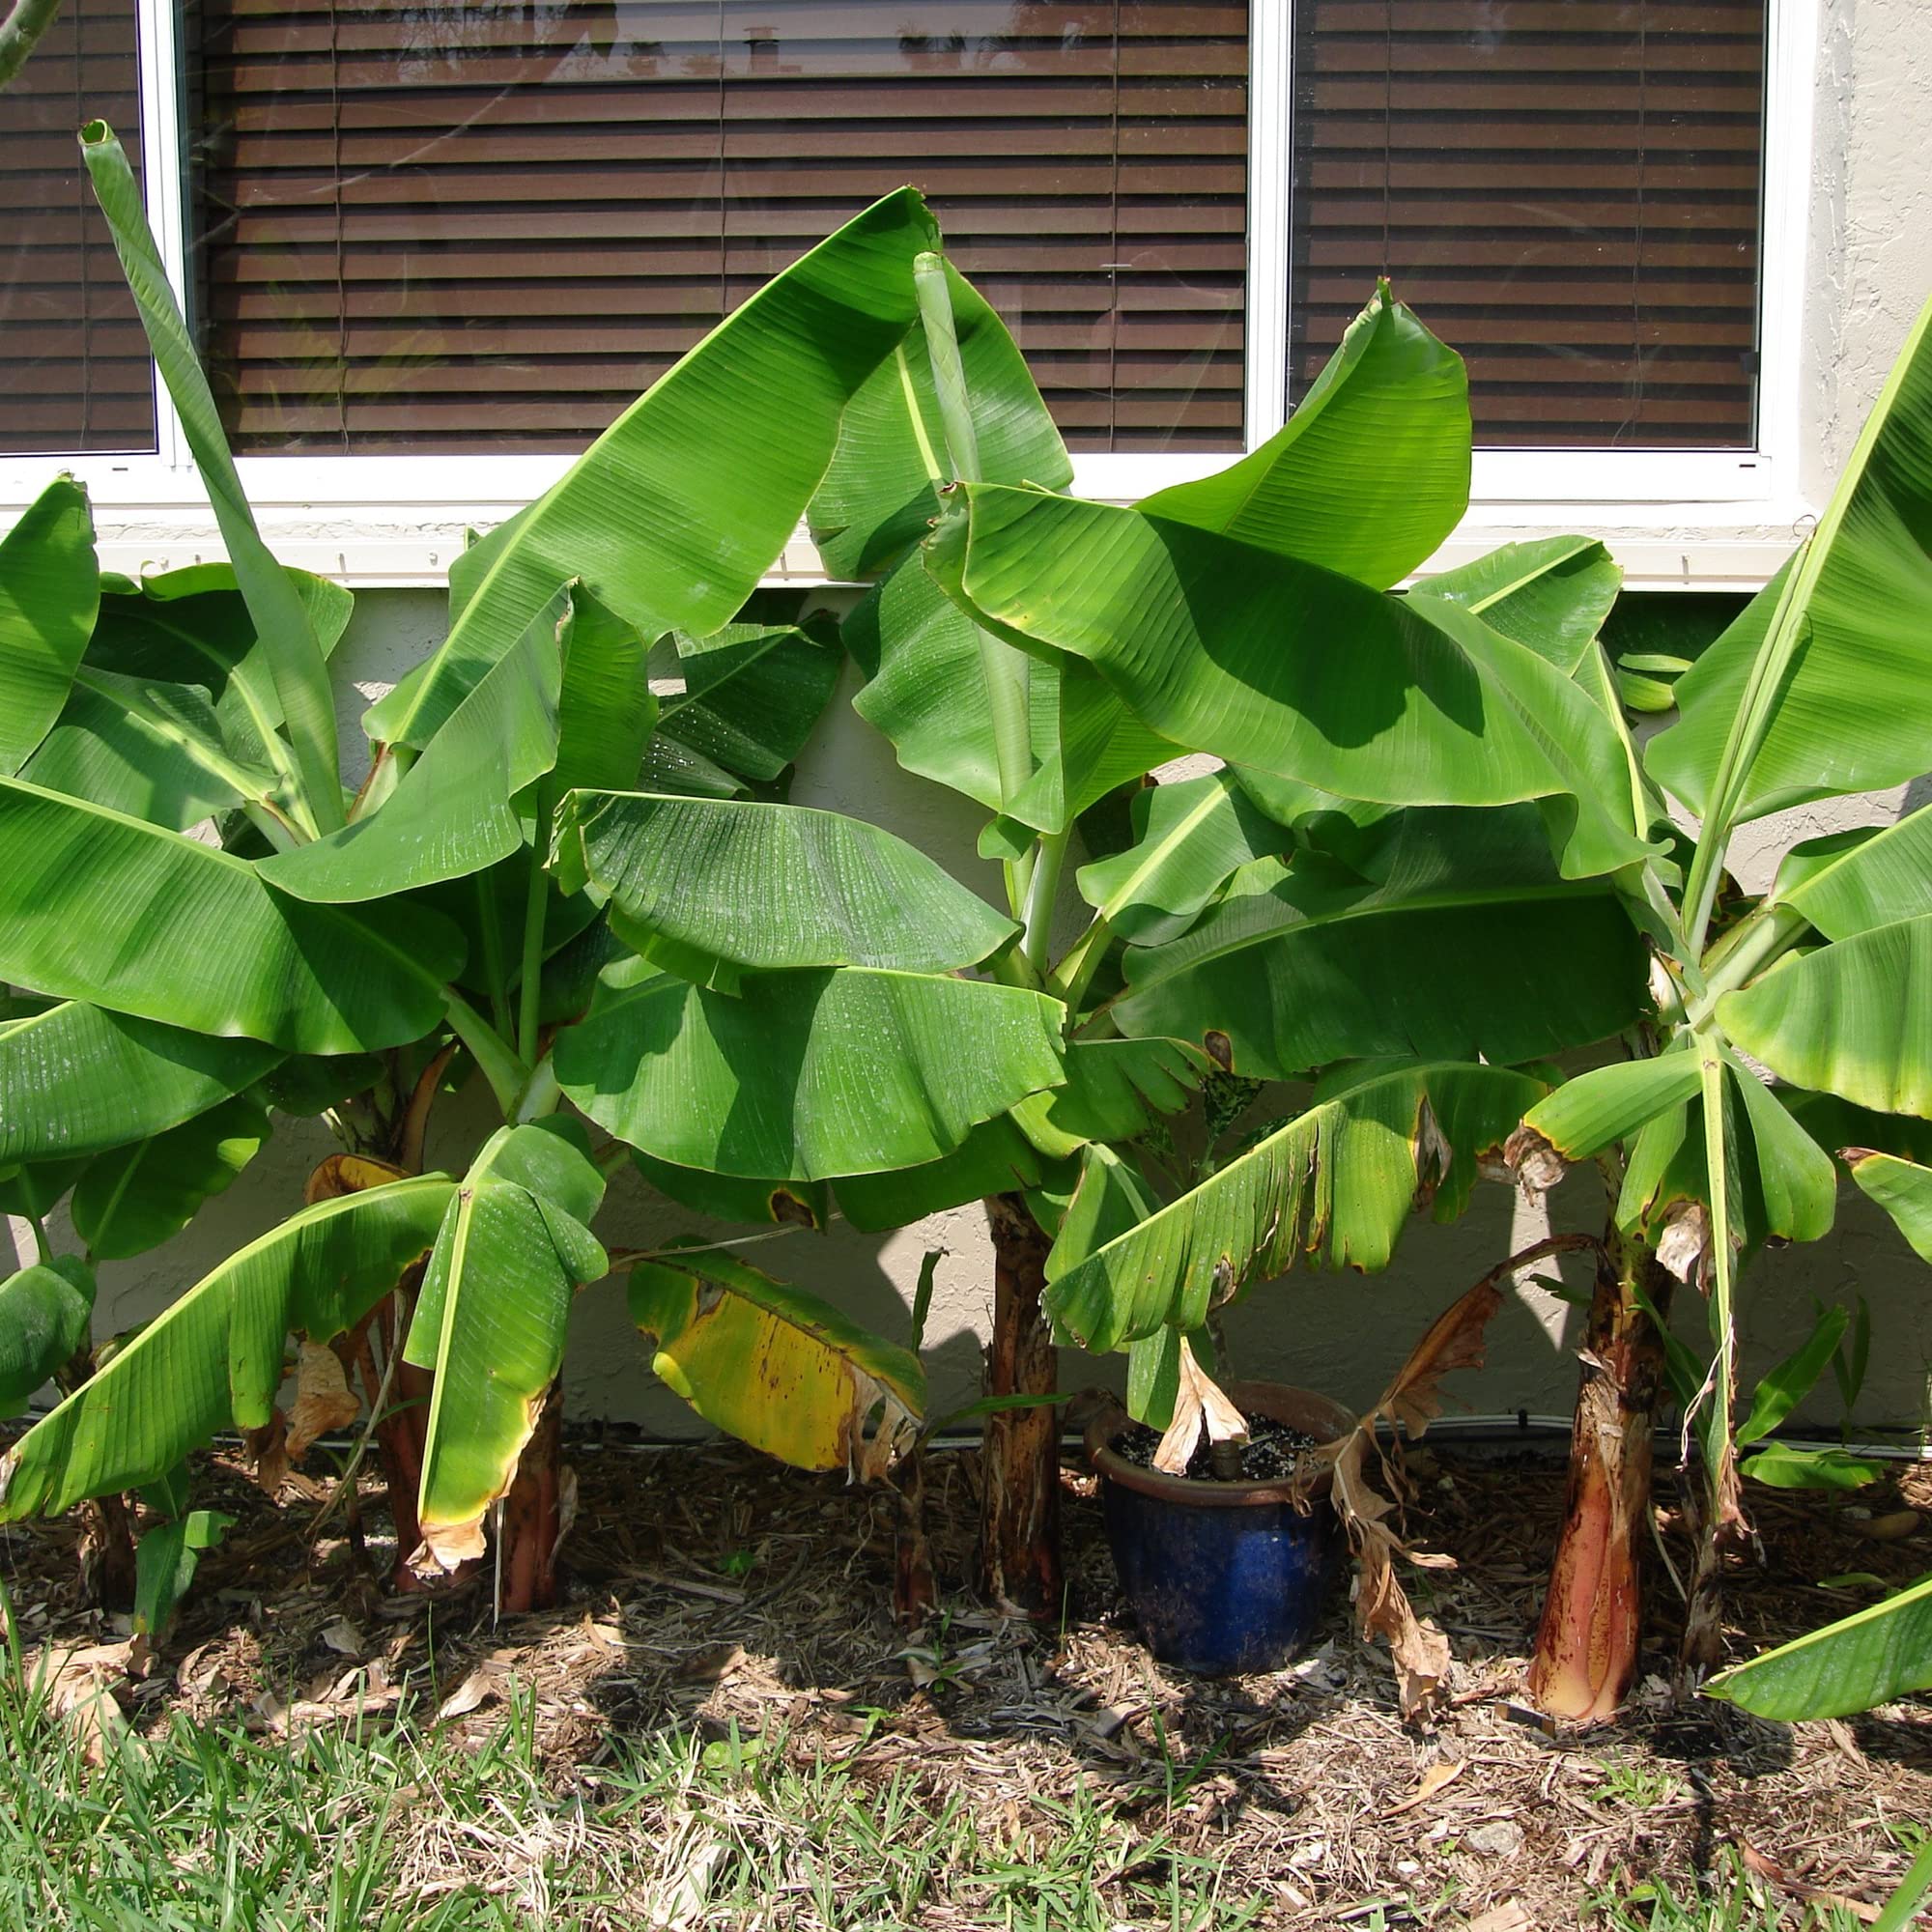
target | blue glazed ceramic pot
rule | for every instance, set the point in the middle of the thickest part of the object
(1223, 1576)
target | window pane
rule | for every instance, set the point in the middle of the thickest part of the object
(441, 226)
(73, 363)
(1567, 190)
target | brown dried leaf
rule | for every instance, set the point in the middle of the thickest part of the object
(1683, 1247)
(268, 1447)
(1437, 1777)
(1532, 1158)
(81, 1690)
(323, 1401)
(349, 1174)
(1199, 1404)
(1455, 1341)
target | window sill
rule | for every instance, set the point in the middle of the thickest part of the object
(382, 524)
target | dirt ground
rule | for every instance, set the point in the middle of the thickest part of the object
(709, 1587)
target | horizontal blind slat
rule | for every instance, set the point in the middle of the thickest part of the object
(1568, 193)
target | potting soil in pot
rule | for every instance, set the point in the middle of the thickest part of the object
(1272, 1453)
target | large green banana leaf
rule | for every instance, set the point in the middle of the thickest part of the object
(136, 1197)
(214, 1359)
(1881, 1653)
(1188, 841)
(678, 508)
(192, 626)
(1280, 665)
(281, 618)
(778, 1368)
(1553, 594)
(101, 907)
(49, 590)
(75, 1079)
(1333, 1188)
(994, 1159)
(882, 490)
(732, 1197)
(926, 693)
(1850, 882)
(1372, 471)
(1469, 945)
(605, 710)
(451, 812)
(761, 887)
(1853, 1019)
(153, 751)
(44, 1313)
(1114, 1088)
(805, 1075)
(1903, 1188)
(1831, 665)
(753, 693)
(491, 1316)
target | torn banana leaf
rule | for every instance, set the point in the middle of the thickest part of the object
(778, 1368)
(214, 1359)
(1332, 1188)
(513, 1249)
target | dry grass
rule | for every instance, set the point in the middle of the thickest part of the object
(722, 1727)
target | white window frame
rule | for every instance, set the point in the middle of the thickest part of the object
(1676, 519)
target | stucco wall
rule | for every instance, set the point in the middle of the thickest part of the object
(1871, 266)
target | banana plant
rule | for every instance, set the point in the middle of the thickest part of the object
(1412, 742)
(1042, 658)
(206, 918)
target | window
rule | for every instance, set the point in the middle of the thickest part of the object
(73, 363)
(417, 234)
(448, 226)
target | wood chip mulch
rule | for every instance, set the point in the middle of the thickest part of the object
(709, 1588)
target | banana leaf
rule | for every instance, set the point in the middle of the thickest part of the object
(763, 887)
(101, 907)
(213, 1360)
(45, 1310)
(138, 1196)
(1333, 1188)
(778, 1368)
(805, 1075)
(1224, 648)
(1881, 1653)
(679, 507)
(1828, 669)
(491, 1316)
(49, 591)
(1370, 473)
(75, 1079)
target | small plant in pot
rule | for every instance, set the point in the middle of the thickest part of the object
(1228, 1528)
(1221, 1529)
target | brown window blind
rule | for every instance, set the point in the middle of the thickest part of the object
(442, 227)
(1567, 190)
(73, 364)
